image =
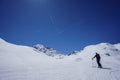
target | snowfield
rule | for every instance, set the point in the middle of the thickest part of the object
(24, 63)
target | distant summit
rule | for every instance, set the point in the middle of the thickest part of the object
(73, 53)
(48, 51)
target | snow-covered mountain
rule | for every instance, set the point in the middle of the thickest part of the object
(73, 53)
(48, 51)
(104, 49)
(27, 63)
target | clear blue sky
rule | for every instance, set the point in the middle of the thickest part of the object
(65, 25)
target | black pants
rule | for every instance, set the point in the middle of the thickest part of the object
(99, 64)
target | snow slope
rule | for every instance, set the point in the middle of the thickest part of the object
(23, 63)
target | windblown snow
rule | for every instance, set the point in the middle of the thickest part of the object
(25, 63)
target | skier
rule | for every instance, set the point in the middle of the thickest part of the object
(97, 56)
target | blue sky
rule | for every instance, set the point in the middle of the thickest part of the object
(65, 25)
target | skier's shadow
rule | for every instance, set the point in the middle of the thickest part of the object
(106, 68)
(103, 68)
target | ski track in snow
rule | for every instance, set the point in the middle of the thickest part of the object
(116, 75)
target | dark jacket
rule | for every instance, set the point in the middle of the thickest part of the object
(97, 56)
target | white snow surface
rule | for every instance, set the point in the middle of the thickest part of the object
(23, 63)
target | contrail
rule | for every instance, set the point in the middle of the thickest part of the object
(51, 19)
(57, 29)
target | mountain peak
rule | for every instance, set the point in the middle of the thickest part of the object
(38, 46)
(105, 43)
(47, 50)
